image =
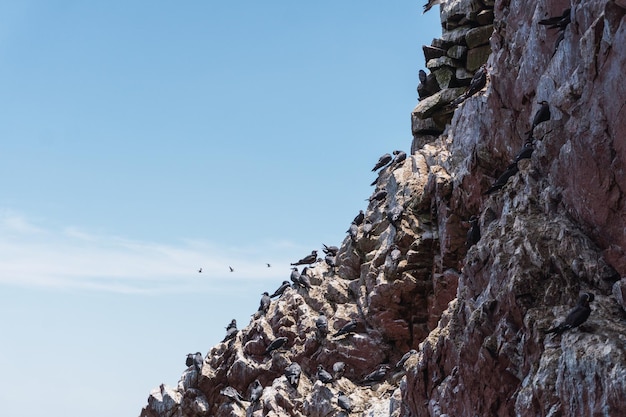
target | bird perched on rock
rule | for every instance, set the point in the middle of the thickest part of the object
(378, 196)
(292, 373)
(189, 360)
(323, 375)
(295, 277)
(542, 115)
(367, 228)
(526, 151)
(350, 327)
(198, 360)
(276, 344)
(256, 391)
(399, 157)
(358, 219)
(577, 316)
(265, 302)
(405, 358)
(338, 369)
(330, 261)
(233, 394)
(382, 161)
(344, 402)
(305, 281)
(322, 325)
(377, 375)
(332, 250)
(478, 82)
(473, 234)
(511, 170)
(231, 330)
(307, 260)
(560, 23)
(353, 231)
(282, 288)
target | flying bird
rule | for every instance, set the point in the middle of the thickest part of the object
(268, 265)
(577, 316)
(231, 269)
(382, 161)
(200, 270)
(307, 260)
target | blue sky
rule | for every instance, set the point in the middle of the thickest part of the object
(140, 141)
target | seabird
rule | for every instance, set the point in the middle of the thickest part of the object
(344, 402)
(404, 358)
(200, 270)
(367, 228)
(295, 277)
(281, 289)
(525, 152)
(276, 344)
(231, 268)
(256, 391)
(349, 327)
(478, 82)
(380, 195)
(304, 279)
(359, 218)
(292, 373)
(307, 260)
(577, 316)
(198, 360)
(400, 156)
(502, 179)
(233, 394)
(542, 115)
(330, 261)
(268, 265)
(265, 303)
(422, 76)
(338, 369)
(323, 375)
(382, 161)
(473, 234)
(331, 250)
(189, 360)
(353, 231)
(322, 325)
(377, 375)
(231, 330)
(558, 22)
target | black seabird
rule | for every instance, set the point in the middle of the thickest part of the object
(256, 391)
(330, 250)
(359, 218)
(307, 260)
(380, 195)
(377, 375)
(304, 279)
(323, 375)
(198, 360)
(265, 302)
(344, 402)
(322, 325)
(292, 373)
(353, 231)
(330, 261)
(558, 22)
(400, 156)
(338, 369)
(367, 228)
(405, 358)
(189, 360)
(478, 82)
(200, 270)
(233, 394)
(295, 277)
(276, 344)
(577, 316)
(350, 327)
(542, 115)
(268, 265)
(231, 268)
(382, 161)
(526, 151)
(473, 234)
(231, 330)
(281, 289)
(502, 179)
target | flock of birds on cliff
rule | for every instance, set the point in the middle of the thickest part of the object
(301, 280)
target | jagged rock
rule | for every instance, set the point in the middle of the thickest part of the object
(485, 17)
(457, 52)
(619, 292)
(445, 77)
(427, 107)
(476, 57)
(440, 62)
(432, 52)
(478, 36)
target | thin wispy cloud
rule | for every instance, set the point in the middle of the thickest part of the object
(72, 258)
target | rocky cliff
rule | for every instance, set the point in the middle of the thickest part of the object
(474, 306)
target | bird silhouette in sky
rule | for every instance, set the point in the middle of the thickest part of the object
(231, 268)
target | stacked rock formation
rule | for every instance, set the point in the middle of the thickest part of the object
(475, 313)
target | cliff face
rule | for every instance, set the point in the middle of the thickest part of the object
(474, 313)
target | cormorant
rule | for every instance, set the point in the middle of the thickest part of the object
(330, 261)
(344, 402)
(307, 260)
(358, 219)
(502, 179)
(478, 82)
(525, 152)
(189, 360)
(323, 375)
(276, 344)
(542, 115)
(473, 234)
(577, 316)
(382, 161)
(281, 289)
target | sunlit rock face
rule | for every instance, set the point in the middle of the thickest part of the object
(476, 313)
